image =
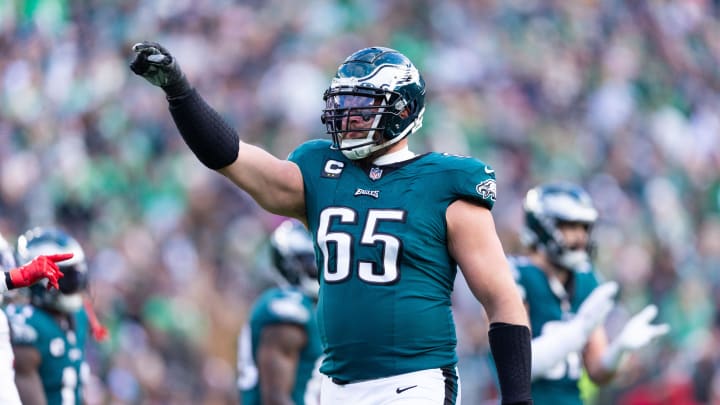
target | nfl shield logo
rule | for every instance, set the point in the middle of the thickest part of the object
(375, 173)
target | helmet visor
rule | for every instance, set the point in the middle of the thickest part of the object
(351, 101)
(74, 278)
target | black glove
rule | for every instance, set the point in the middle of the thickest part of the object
(154, 63)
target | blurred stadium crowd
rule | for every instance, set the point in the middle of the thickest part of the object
(620, 96)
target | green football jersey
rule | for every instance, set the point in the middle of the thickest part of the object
(381, 244)
(559, 386)
(278, 306)
(61, 350)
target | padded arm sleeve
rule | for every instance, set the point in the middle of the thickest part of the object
(510, 347)
(207, 134)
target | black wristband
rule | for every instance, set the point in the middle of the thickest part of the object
(207, 134)
(510, 347)
(8, 281)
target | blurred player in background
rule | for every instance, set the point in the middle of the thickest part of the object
(390, 228)
(566, 303)
(49, 334)
(43, 267)
(279, 348)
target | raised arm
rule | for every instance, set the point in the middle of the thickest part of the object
(473, 242)
(274, 183)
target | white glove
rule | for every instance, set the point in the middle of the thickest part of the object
(559, 339)
(596, 307)
(636, 333)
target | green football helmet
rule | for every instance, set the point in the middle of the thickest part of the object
(376, 84)
(293, 256)
(546, 207)
(49, 241)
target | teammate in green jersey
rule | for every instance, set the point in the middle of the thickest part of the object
(390, 228)
(11, 278)
(566, 304)
(279, 347)
(49, 334)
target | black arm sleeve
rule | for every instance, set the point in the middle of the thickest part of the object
(207, 134)
(510, 347)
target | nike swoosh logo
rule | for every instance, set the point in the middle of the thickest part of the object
(401, 390)
(489, 170)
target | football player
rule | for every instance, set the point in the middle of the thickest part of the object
(43, 267)
(49, 334)
(279, 347)
(566, 303)
(389, 227)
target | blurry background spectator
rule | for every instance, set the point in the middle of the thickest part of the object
(620, 96)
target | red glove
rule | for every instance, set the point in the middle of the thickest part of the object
(39, 268)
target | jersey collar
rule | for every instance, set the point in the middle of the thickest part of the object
(394, 157)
